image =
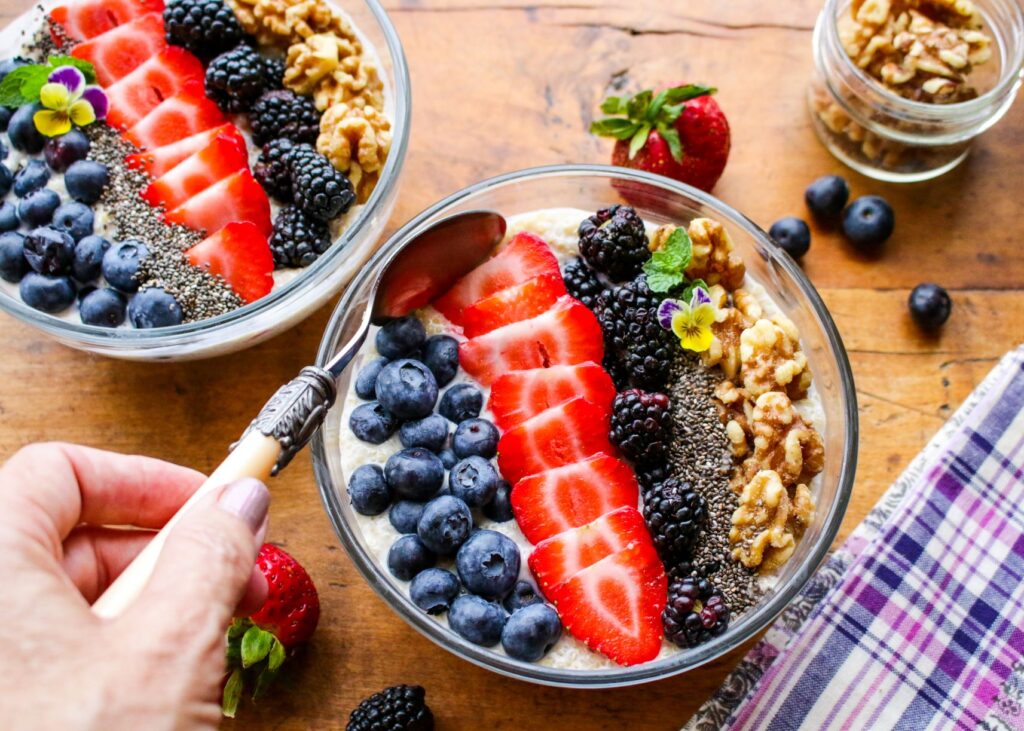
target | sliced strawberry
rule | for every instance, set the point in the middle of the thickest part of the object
(172, 70)
(563, 434)
(159, 160)
(90, 18)
(572, 495)
(614, 606)
(514, 304)
(240, 254)
(518, 395)
(566, 334)
(119, 51)
(175, 118)
(557, 559)
(237, 197)
(526, 256)
(224, 155)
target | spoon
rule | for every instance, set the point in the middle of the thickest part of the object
(410, 278)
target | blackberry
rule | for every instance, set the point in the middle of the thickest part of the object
(273, 72)
(398, 708)
(696, 612)
(650, 475)
(273, 171)
(236, 79)
(205, 27)
(674, 513)
(284, 113)
(614, 242)
(297, 240)
(319, 190)
(641, 425)
(582, 283)
(637, 348)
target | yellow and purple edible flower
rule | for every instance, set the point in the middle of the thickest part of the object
(690, 321)
(67, 100)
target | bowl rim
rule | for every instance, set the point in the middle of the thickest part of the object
(686, 660)
(128, 339)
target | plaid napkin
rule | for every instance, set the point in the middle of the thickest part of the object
(917, 621)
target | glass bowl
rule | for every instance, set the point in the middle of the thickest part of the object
(297, 298)
(659, 200)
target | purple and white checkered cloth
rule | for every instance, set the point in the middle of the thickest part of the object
(917, 621)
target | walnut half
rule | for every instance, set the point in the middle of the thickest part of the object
(771, 359)
(713, 258)
(768, 521)
(356, 140)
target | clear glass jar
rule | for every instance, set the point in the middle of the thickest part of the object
(888, 137)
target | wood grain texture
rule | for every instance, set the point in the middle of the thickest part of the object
(499, 85)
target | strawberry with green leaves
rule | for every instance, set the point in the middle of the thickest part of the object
(680, 133)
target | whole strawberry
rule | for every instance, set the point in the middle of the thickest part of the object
(259, 644)
(679, 132)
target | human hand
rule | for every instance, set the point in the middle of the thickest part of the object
(160, 664)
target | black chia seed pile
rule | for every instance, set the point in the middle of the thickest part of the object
(699, 454)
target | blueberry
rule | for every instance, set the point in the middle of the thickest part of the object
(474, 480)
(523, 594)
(153, 307)
(407, 389)
(21, 129)
(85, 290)
(6, 179)
(460, 402)
(47, 294)
(85, 180)
(36, 209)
(792, 235)
(441, 356)
(121, 264)
(75, 218)
(531, 632)
(445, 525)
(9, 64)
(499, 509)
(488, 564)
(930, 306)
(88, 263)
(372, 423)
(104, 307)
(405, 515)
(477, 620)
(5, 120)
(366, 381)
(430, 432)
(868, 221)
(448, 458)
(9, 217)
(30, 177)
(434, 590)
(49, 251)
(414, 474)
(408, 557)
(12, 256)
(61, 152)
(368, 490)
(400, 338)
(826, 197)
(475, 437)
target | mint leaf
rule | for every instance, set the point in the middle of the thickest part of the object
(660, 281)
(11, 89)
(84, 66)
(666, 268)
(617, 127)
(255, 646)
(639, 139)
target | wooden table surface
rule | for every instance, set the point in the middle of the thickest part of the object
(504, 84)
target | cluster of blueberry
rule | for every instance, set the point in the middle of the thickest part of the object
(438, 518)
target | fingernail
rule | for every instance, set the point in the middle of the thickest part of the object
(247, 498)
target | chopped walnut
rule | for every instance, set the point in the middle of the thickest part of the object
(355, 82)
(356, 140)
(783, 441)
(771, 359)
(735, 410)
(282, 23)
(713, 258)
(314, 58)
(768, 521)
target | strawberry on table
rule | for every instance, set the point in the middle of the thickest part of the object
(237, 197)
(159, 160)
(240, 254)
(172, 70)
(519, 302)
(224, 155)
(119, 51)
(518, 395)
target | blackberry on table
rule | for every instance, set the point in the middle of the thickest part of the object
(398, 708)
(235, 79)
(637, 347)
(283, 113)
(641, 425)
(614, 242)
(582, 283)
(297, 240)
(273, 171)
(318, 188)
(695, 612)
(675, 514)
(204, 27)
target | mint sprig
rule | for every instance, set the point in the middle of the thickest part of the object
(666, 269)
(22, 85)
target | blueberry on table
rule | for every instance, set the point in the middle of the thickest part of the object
(86, 180)
(60, 152)
(408, 557)
(523, 594)
(75, 218)
(474, 480)
(21, 130)
(372, 423)
(36, 209)
(88, 262)
(30, 177)
(9, 217)
(103, 307)
(47, 294)
(434, 590)
(488, 564)
(405, 515)
(121, 264)
(368, 490)
(441, 356)
(430, 432)
(154, 307)
(366, 380)
(445, 525)
(930, 306)
(400, 338)
(475, 437)
(868, 222)
(499, 509)
(407, 389)
(6, 179)
(13, 265)
(414, 474)
(826, 197)
(49, 251)
(477, 620)
(792, 235)
(448, 458)
(460, 402)
(531, 632)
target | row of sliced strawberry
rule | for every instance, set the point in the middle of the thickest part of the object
(538, 349)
